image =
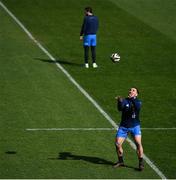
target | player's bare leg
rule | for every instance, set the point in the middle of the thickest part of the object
(118, 143)
(139, 150)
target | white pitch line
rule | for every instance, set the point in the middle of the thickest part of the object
(93, 129)
(151, 164)
(159, 129)
(70, 129)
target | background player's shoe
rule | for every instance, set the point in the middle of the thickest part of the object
(95, 65)
(86, 65)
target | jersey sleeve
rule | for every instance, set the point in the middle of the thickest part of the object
(120, 104)
(82, 27)
(135, 104)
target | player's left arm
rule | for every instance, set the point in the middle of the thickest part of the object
(82, 29)
(97, 24)
(135, 104)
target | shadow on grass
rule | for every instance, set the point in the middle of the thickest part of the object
(11, 152)
(94, 160)
(63, 62)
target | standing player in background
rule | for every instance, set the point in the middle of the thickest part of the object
(130, 123)
(88, 35)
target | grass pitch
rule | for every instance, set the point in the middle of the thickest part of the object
(35, 94)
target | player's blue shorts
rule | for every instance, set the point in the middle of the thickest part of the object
(123, 132)
(90, 40)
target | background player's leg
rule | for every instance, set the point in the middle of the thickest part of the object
(93, 51)
(93, 43)
(86, 54)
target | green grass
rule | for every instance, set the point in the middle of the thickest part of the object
(158, 14)
(35, 94)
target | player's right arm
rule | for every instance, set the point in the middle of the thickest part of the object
(120, 103)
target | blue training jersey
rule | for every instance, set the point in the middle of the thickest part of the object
(90, 25)
(130, 108)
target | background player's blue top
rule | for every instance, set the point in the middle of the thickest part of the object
(130, 108)
(90, 25)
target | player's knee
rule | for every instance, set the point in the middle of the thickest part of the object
(118, 145)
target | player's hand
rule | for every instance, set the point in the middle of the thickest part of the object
(81, 38)
(119, 98)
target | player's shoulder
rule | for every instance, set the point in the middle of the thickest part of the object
(95, 17)
(126, 100)
(133, 99)
(92, 17)
(138, 101)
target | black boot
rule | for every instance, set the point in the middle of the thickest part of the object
(141, 164)
(120, 163)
